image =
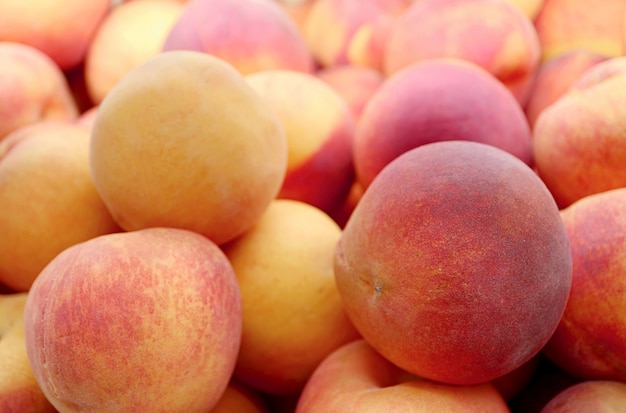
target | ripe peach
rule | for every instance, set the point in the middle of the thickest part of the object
(356, 84)
(293, 315)
(554, 78)
(356, 378)
(131, 34)
(565, 25)
(319, 127)
(238, 398)
(455, 264)
(588, 343)
(344, 31)
(256, 34)
(184, 141)
(598, 396)
(19, 391)
(33, 87)
(437, 100)
(141, 321)
(48, 198)
(61, 29)
(578, 141)
(493, 34)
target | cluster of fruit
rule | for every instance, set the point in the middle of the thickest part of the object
(307, 206)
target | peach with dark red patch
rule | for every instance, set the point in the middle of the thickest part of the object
(455, 264)
(437, 100)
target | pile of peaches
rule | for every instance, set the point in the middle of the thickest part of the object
(312, 206)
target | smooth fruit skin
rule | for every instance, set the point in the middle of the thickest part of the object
(455, 264)
(598, 396)
(142, 321)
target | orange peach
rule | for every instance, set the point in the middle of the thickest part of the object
(319, 127)
(356, 378)
(437, 100)
(33, 88)
(356, 84)
(493, 34)
(293, 316)
(565, 25)
(455, 264)
(19, 390)
(598, 396)
(344, 31)
(256, 34)
(554, 78)
(61, 29)
(48, 199)
(588, 342)
(184, 141)
(238, 398)
(131, 34)
(578, 141)
(141, 321)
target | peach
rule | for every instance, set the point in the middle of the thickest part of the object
(19, 390)
(257, 34)
(356, 378)
(599, 396)
(554, 78)
(588, 343)
(437, 100)
(455, 264)
(565, 25)
(184, 141)
(142, 321)
(511, 384)
(33, 87)
(493, 34)
(319, 127)
(530, 8)
(293, 316)
(48, 199)
(131, 34)
(60, 29)
(578, 142)
(356, 84)
(344, 31)
(238, 398)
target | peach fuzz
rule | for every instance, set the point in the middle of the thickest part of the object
(342, 31)
(456, 249)
(356, 378)
(356, 84)
(530, 8)
(142, 321)
(437, 100)
(565, 25)
(266, 37)
(184, 141)
(60, 29)
(554, 78)
(598, 396)
(19, 390)
(293, 316)
(48, 199)
(319, 127)
(588, 342)
(578, 142)
(507, 47)
(34, 88)
(130, 34)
